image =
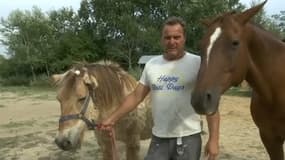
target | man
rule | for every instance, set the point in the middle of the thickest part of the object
(169, 79)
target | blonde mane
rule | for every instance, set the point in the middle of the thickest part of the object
(112, 81)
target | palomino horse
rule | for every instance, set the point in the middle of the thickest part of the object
(106, 84)
(234, 49)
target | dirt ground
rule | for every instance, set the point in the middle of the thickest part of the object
(28, 124)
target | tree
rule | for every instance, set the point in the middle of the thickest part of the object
(280, 20)
(124, 28)
(270, 23)
(119, 30)
(24, 31)
(44, 43)
(132, 27)
(1, 58)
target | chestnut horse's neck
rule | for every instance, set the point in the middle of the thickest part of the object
(264, 51)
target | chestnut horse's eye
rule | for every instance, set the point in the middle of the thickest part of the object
(235, 43)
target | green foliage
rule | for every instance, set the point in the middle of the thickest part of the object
(28, 90)
(272, 23)
(280, 20)
(237, 91)
(42, 81)
(40, 44)
(133, 27)
(17, 80)
(136, 72)
(1, 58)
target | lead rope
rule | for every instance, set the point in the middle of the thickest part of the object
(115, 155)
(112, 135)
(114, 147)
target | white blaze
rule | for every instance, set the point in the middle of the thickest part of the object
(213, 39)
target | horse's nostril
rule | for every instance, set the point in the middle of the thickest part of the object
(208, 97)
(66, 143)
(56, 141)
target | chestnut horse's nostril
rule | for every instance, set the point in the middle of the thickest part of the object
(208, 97)
(205, 102)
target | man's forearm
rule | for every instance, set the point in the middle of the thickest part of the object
(128, 105)
(213, 125)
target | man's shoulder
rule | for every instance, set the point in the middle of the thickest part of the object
(193, 56)
(155, 59)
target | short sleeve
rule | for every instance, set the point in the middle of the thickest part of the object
(144, 80)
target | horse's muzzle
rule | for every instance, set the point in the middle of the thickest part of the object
(65, 144)
(205, 103)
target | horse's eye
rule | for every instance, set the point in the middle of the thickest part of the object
(235, 43)
(81, 100)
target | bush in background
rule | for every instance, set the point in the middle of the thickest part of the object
(136, 72)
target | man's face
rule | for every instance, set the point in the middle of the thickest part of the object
(173, 41)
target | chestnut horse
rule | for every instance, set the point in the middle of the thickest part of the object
(88, 93)
(234, 49)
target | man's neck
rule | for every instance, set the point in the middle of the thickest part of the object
(173, 58)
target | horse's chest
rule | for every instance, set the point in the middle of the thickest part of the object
(269, 118)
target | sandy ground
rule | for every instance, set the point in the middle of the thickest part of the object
(28, 126)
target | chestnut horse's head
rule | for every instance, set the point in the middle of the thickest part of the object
(224, 58)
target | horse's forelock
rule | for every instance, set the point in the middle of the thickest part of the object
(69, 80)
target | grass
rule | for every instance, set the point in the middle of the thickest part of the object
(50, 123)
(45, 96)
(237, 91)
(40, 92)
(18, 124)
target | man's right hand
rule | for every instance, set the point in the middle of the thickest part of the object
(106, 124)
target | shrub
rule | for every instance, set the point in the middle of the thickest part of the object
(18, 80)
(136, 72)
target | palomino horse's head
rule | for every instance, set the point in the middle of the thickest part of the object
(75, 98)
(224, 58)
(88, 93)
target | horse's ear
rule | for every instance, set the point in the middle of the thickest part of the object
(245, 16)
(206, 22)
(55, 78)
(90, 80)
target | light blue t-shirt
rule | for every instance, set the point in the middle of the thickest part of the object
(171, 84)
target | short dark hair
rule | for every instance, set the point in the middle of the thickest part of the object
(173, 21)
